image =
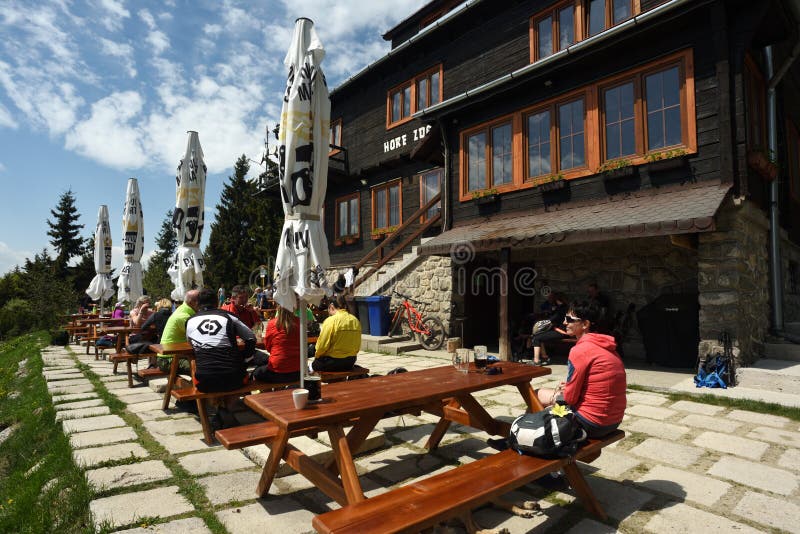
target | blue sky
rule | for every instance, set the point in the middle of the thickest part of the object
(95, 92)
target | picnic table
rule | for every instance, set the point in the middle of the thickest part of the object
(122, 332)
(92, 324)
(443, 391)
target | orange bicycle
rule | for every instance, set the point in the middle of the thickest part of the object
(407, 321)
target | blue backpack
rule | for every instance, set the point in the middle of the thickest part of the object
(713, 372)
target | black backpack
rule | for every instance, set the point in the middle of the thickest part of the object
(552, 433)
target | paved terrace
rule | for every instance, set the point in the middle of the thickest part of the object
(683, 467)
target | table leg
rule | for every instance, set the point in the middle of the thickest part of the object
(583, 491)
(273, 461)
(478, 417)
(130, 373)
(173, 372)
(441, 427)
(530, 396)
(347, 468)
(357, 435)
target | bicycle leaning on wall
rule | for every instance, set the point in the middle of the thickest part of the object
(407, 321)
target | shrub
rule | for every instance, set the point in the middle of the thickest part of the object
(16, 317)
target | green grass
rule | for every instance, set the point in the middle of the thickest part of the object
(740, 404)
(25, 506)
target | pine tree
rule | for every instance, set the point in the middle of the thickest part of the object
(244, 234)
(155, 280)
(64, 230)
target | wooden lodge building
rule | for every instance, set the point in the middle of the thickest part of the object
(502, 150)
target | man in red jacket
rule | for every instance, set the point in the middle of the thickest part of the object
(595, 385)
(241, 309)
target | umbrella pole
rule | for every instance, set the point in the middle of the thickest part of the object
(301, 306)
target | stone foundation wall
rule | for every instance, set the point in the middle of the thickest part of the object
(733, 275)
(429, 281)
(790, 255)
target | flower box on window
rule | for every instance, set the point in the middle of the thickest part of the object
(338, 242)
(350, 240)
(616, 169)
(487, 199)
(663, 161)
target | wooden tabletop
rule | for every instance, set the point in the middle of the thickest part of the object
(184, 348)
(97, 320)
(122, 329)
(345, 400)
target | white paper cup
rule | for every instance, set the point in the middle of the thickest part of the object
(300, 398)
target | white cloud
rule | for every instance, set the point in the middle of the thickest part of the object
(114, 14)
(6, 120)
(9, 258)
(122, 51)
(2, 167)
(343, 19)
(158, 40)
(147, 18)
(212, 29)
(108, 135)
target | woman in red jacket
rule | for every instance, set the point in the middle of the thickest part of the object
(595, 385)
(282, 342)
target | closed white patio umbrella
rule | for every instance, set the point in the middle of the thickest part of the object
(188, 219)
(129, 285)
(101, 286)
(303, 172)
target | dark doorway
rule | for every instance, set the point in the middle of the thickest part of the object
(481, 283)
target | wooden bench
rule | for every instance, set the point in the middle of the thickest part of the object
(356, 372)
(129, 359)
(455, 493)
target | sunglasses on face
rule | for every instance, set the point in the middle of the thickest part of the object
(570, 319)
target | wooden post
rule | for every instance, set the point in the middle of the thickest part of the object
(505, 341)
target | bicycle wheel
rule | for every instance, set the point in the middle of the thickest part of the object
(432, 336)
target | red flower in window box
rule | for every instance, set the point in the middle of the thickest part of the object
(350, 240)
(338, 242)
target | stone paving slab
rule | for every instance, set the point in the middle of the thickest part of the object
(72, 389)
(732, 444)
(683, 484)
(116, 385)
(590, 526)
(655, 428)
(790, 459)
(492, 518)
(276, 514)
(101, 437)
(92, 423)
(697, 407)
(755, 475)
(60, 376)
(135, 390)
(217, 461)
(759, 418)
(611, 464)
(229, 487)
(397, 464)
(650, 399)
(121, 476)
(668, 452)
(618, 500)
(80, 413)
(95, 455)
(190, 525)
(79, 404)
(774, 435)
(141, 396)
(178, 444)
(174, 426)
(706, 422)
(653, 412)
(118, 510)
(146, 406)
(75, 396)
(60, 384)
(680, 517)
(766, 510)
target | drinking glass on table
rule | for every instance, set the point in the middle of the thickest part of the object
(461, 360)
(481, 357)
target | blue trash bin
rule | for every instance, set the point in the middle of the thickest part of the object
(378, 315)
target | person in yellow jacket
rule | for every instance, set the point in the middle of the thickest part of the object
(339, 339)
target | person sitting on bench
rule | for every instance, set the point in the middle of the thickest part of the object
(282, 343)
(157, 320)
(220, 365)
(556, 331)
(339, 339)
(595, 384)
